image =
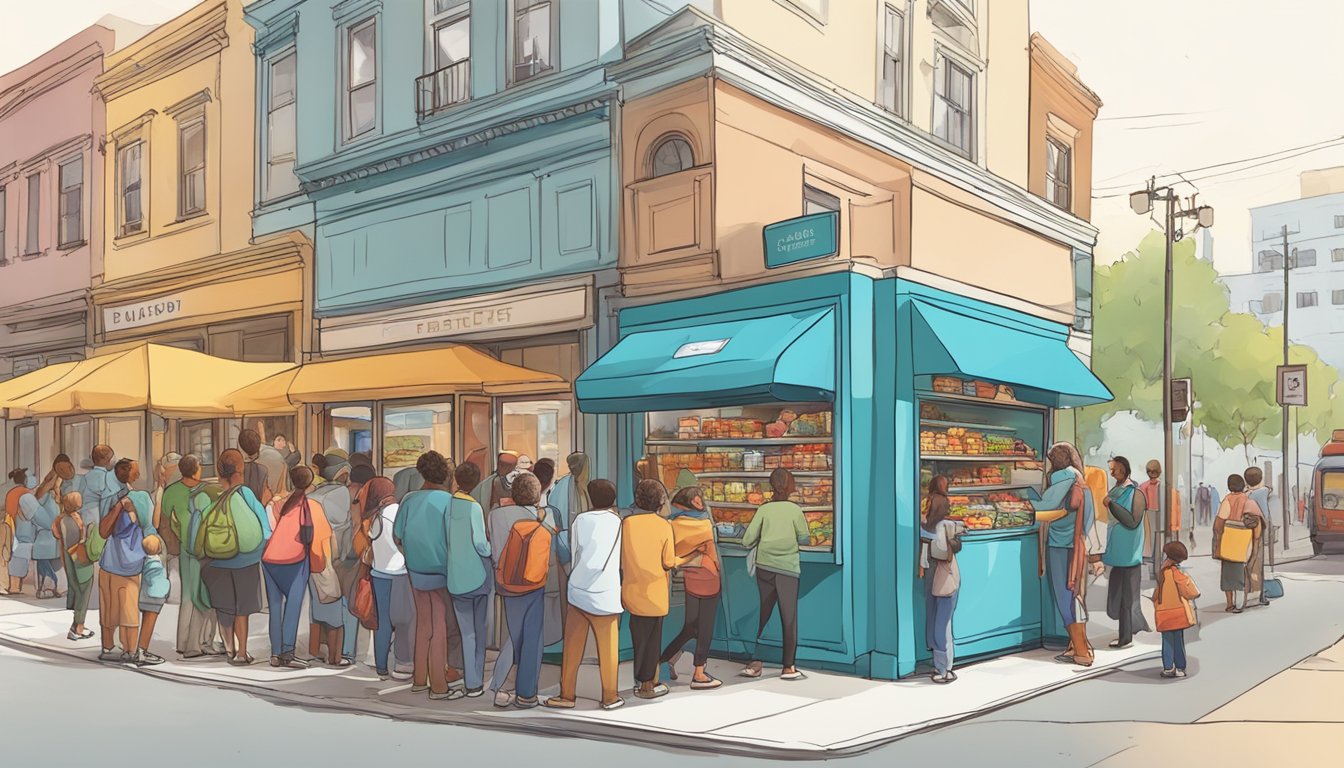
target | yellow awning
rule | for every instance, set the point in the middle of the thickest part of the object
(394, 375)
(147, 377)
(19, 386)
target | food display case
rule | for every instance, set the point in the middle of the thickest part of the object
(732, 452)
(988, 450)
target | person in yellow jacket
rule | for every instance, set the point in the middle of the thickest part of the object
(648, 555)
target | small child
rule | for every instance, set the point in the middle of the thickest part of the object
(1174, 610)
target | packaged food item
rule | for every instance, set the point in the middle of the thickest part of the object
(986, 390)
(948, 385)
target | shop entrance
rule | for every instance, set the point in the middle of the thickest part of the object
(538, 429)
(476, 435)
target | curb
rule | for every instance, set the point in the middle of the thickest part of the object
(541, 723)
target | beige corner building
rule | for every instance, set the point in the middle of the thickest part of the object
(180, 266)
(854, 245)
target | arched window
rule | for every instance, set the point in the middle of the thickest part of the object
(672, 154)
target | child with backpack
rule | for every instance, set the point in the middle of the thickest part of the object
(521, 540)
(1174, 609)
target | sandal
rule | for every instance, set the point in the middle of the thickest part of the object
(752, 670)
(705, 685)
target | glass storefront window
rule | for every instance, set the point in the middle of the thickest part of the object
(732, 451)
(25, 450)
(411, 430)
(198, 439)
(126, 435)
(349, 428)
(276, 431)
(539, 429)
(77, 440)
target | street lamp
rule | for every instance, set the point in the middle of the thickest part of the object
(1141, 202)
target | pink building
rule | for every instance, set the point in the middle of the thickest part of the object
(51, 182)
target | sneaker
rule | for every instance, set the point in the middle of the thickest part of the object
(1180, 673)
(556, 702)
(940, 679)
(293, 662)
(109, 654)
(796, 674)
(453, 694)
(1168, 673)
(752, 670)
(148, 659)
(526, 703)
(615, 703)
(504, 699)
(128, 659)
(705, 685)
(474, 693)
(651, 691)
(401, 674)
(383, 674)
(419, 688)
(1116, 644)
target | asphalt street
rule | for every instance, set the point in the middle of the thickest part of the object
(122, 718)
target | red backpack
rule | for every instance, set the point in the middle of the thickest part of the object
(526, 559)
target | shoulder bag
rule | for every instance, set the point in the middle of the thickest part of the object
(321, 573)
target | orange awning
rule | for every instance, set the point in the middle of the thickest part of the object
(391, 376)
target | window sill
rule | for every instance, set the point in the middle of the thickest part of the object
(67, 247)
(354, 141)
(33, 255)
(188, 217)
(953, 148)
(130, 238)
(530, 79)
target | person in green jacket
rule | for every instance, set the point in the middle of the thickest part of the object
(197, 625)
(775, 533)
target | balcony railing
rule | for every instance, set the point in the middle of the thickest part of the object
(442, 89)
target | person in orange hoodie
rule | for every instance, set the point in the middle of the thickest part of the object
(300, 545)
(648, 556)
(694, 528)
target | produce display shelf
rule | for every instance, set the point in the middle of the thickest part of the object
(964, 425)
(801, 548)
(972, 489)
(765, 473)
(745, 505)
(985, 458)
(743, 442)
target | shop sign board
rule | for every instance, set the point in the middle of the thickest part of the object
(1292, 385)
(816, 236)
(123, 316)
(559, 310)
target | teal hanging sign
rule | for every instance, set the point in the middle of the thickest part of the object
(807, 237)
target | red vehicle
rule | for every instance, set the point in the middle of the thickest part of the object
(1325, 505)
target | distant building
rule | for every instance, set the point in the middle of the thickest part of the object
(1315, 298)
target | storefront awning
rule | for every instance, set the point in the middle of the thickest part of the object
(395, 375)
(146, 377)
(1035, 361)
(789, 357)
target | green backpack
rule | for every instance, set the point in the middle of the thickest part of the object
(217, 538)
(93, 542)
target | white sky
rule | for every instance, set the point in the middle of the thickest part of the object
(1226, 79)
(1231, 79)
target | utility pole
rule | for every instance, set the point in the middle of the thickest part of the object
(1141, 202)
(1283, 490)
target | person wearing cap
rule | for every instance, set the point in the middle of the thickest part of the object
(332, 624)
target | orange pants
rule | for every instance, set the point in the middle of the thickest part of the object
(606, 629)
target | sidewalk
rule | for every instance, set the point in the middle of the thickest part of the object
(826, 715)
(1294, 718)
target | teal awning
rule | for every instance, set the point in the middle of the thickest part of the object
(1035, 360)
(788, 357)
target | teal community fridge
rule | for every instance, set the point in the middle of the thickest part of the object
(862, 387)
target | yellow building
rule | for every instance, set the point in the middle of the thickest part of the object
(180, 264)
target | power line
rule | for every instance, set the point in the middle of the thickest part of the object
(1266, 158)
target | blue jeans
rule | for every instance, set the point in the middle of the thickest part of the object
(396, 620)
(470, 610)
(285, 588)
(1173, 649)
(524, 615)
(940, 621)
(1057, 570)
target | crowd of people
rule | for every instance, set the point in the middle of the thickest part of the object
(420, 563)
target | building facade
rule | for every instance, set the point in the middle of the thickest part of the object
(51, 199)
(180, 264)
(819, 244)
(1315, 297)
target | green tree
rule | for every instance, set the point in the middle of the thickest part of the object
(1231, 357)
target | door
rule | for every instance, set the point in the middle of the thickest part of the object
(476, 432)
(539, 429)
(126, 436)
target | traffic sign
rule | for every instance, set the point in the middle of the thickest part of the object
(1292, 385)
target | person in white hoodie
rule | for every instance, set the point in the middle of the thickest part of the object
(594, 596)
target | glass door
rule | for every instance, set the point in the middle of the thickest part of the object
(126, 436)
(538, 429)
